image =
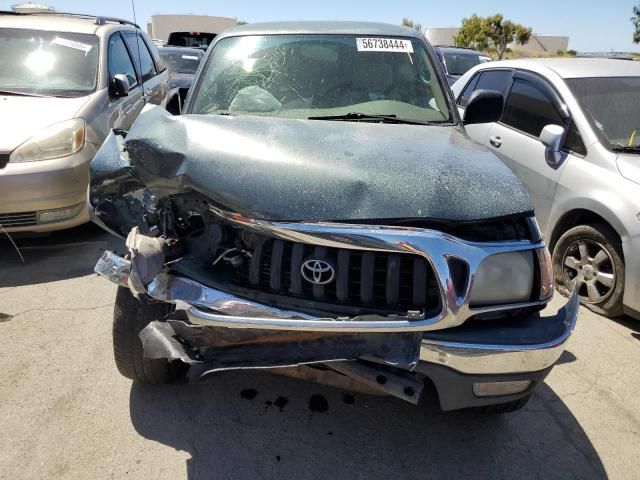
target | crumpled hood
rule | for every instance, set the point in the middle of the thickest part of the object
(312, 170)
(23, 117)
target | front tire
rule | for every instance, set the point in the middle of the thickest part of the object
(589, 258)
(130, 316)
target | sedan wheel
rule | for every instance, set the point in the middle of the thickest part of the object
(589, 268)
(589, 258)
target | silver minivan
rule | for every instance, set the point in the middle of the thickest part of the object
(65, 81)
(570, 129)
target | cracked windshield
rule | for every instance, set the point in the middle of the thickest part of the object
(309, 76)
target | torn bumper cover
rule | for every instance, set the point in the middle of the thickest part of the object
(504, 350)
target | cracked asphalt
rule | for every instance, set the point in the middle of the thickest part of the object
(65, 412)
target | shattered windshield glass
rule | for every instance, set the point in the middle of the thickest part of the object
(302, 76)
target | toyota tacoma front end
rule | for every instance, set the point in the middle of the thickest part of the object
(304, 216)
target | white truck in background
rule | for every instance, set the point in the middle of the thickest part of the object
(187, 30)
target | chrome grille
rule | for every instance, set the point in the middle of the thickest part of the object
(18, 219)
(371, 280)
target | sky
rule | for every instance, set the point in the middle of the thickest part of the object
(592, 25)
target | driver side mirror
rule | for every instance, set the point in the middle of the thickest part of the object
(175, 100)
(484, 106)
(121, 85)
(552, 137)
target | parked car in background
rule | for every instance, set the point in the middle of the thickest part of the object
(457, 60)
(182, 64)
(200, 40)
(317, 204)
(571, 132)
(65, 82)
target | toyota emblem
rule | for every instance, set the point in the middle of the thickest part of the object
(318, 272)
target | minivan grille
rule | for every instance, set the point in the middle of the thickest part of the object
(18, 219)
(389, 281)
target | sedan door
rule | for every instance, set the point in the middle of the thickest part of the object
(532, 104)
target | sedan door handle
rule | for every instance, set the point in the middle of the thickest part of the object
(148, 92)
(495, 141)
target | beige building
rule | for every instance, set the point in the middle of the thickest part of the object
(160, 26)
(537, 43)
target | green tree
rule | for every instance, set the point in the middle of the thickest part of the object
(407, 22)
(491, 34)
(636, 23)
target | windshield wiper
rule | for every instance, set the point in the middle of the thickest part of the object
(366, 116)
(22, 94)
(626, 148)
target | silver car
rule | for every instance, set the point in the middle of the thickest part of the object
(65, 82)
(570, 130)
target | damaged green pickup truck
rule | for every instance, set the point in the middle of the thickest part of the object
(317, 207)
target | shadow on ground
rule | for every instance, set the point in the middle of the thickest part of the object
(57, 256)
(628, 322)
(232, 428)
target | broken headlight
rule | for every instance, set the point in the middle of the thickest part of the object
(58, 140)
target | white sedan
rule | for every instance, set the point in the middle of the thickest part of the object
(570, 129)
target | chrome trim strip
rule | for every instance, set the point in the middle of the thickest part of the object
(481, 359)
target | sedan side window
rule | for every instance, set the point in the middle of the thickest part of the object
(120, 61)
(529, 109)
(466, 94)
(498, 80)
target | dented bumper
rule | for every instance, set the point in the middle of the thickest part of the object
(532, 343)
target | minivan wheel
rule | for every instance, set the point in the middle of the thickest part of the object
(130, 316)
(589, 258)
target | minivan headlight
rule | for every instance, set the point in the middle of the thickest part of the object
(58, 140)
(504, 278)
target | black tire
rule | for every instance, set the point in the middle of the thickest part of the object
(596, 237)
(130, 316)
(500, 408)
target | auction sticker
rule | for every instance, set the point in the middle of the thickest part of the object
(371, 44)
(64, 42)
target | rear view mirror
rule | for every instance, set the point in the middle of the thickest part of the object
(175, 100)
(552, 137)
(484, 106)
(121, 85)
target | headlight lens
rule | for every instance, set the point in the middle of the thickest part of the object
(503, 278)
(58, 140)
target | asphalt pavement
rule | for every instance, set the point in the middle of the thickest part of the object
(65, 412)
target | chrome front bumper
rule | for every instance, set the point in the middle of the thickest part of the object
(469, 352)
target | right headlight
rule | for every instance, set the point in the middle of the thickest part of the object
(504, 278)
(59, 140)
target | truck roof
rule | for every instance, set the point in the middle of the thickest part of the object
(327, 28)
